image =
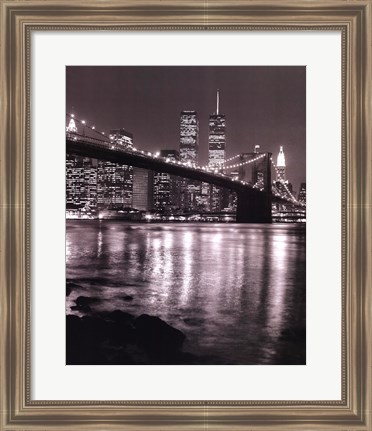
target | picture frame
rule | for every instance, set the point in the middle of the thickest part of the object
(18, 19)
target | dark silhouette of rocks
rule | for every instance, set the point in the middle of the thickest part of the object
(119, 338)
(82, 342)
(160, 340)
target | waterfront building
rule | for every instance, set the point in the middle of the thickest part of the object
(74, 181)
(115, 181)
(81, 183)
(302, 193)
(203, 199)
(121, 138)
(81, 179)
(232, 196)
(167, 194)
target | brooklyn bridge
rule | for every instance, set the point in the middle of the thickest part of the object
(254, 205)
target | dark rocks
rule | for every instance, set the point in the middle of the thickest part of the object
(121, 327)
(118, 338)
(82, 346)
(160, 340)
(127, 298)
(117, 316)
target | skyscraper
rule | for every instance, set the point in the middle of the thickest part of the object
(280, 166)
(81, 179)
(167, 187)
(217, 136)
(302, 193)
(115, 181)
(282, 185)
(217, 151)
(71, 128)
(189, 147)
(189, 136)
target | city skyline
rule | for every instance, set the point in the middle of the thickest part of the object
(147, 102)
(185, 239)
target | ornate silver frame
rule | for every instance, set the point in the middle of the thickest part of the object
(18, 19)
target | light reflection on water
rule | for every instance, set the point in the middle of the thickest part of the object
(236, 291)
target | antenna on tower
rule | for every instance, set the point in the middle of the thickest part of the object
(218, 101)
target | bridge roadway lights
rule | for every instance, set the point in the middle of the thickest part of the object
(253, 207)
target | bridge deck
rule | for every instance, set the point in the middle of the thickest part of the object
(116, 155)
(90, 147)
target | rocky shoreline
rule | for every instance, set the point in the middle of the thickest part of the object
(117, 337)
(120, 338)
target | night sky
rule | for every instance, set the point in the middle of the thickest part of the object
(263, 105)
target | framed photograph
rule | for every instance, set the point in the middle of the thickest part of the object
(186, 215)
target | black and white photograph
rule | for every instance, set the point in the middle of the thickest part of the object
(185, 215)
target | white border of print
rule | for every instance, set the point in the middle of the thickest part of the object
(320, 379)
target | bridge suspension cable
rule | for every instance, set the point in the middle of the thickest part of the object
(85, 126)
(235, 165)
(286, 188)
(247, 162)
(229, 159)
(72, 129)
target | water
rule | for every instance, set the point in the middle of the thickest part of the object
(236, 291)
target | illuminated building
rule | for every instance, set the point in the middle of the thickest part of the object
(71, 128)
(121, 138)
(217, 136)
(167, 197)
(189, 147)
(81, 179)
(204, 197)
(302, 193)
(282, 185)
(115, 181)
(232, 196)
(81, 182)
(189, 136)
(217, 151)
(280, 166)
(74, 180)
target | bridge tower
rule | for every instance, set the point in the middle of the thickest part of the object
(254, 207)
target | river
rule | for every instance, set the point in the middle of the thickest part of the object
(238, 292)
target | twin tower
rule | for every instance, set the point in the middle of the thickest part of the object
(189, 136)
